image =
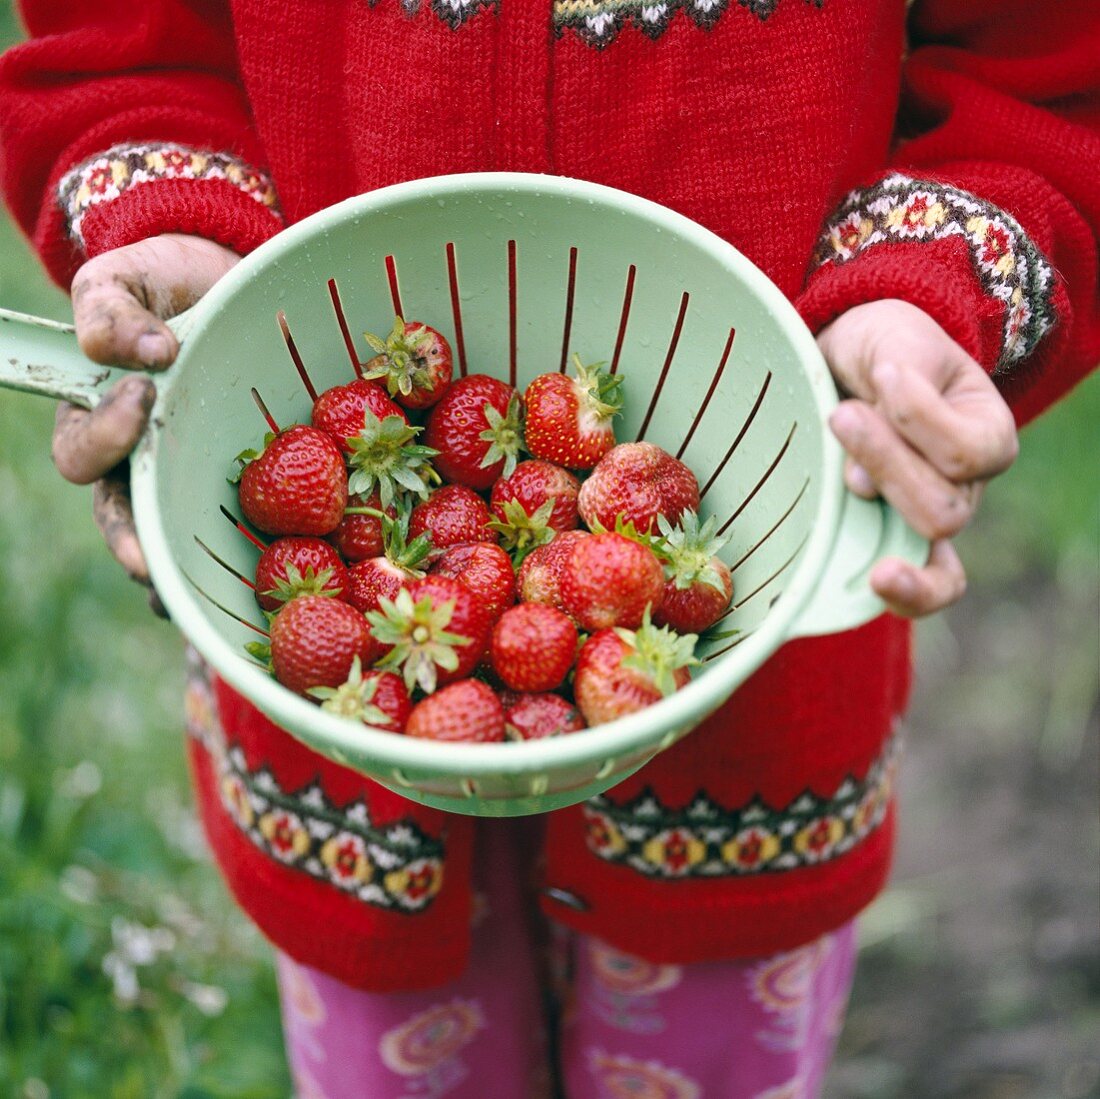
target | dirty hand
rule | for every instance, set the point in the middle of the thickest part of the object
(120, 300)
(926, 428)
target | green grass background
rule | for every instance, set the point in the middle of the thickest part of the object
(97, 834)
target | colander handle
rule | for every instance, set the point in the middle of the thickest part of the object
(42, 356)
(869, 530)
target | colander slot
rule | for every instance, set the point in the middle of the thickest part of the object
(740, 435)
(763, 480)
(345, 331)
(400, 777)
(628, 294)
(778, 523)
(763, 584)
(710, 393)
(570, 288)
(395, 289)
(295, 355)
(456, 307)
(469, 787)
(538, 785)
(265, 411)
(512, 313)
(257, 542)
(731, 645)
(225, 610)
(224, 564)
(664, 369)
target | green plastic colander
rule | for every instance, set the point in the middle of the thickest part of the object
(518, 271)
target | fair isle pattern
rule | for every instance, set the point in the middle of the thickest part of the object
(395, 866)
(453, 12)
(708, 840)
(1008, 264)
(598, 22)
(108, 175)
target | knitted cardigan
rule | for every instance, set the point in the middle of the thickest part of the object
(946, 152)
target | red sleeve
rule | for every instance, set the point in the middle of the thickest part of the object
(122, 119)
(989, 215)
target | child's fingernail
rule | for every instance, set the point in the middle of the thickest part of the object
(153, 349)
(884, 375)
(844, 419)
(859, 481)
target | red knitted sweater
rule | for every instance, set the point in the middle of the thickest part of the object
(953, 162)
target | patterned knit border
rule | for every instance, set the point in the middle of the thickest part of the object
(1007, 263)
(453, 12)
(108, 175)
(393, 866)
(709, 840)
(598, 22)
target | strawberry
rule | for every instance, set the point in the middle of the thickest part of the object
(536, 501)
(385, 575)
(622, 671)
(533, 647)
(485, 569)
(540, 573)
(314, 641)
(290, 567)
(465, 711)
(453, 514)
(569, 419)
(437, 628)
(608, 580)
(296, 485)
(475, 428)
(377, 698)
(341, 411)
(638, 482)
(535, 716)
(698, 586)
(413, 361)
(384, 456)
(359, 534)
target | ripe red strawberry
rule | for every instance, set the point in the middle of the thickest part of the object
(453, 515)
(296, 485)
(359, 537)
(485, 569)
(609, 580)
(464, 711)
(341, 411)
(376, 698)
(536, 500)
(698, 586)
(314, 641)
(540, 573)
(384, 576)
(413, 362)
(622, 671)
(533, 647)
(536, 716)
(438, 630)
(638, 481)
(475, 428)
(290, 567)
(569, 419)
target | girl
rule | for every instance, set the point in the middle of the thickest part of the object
(920, 178)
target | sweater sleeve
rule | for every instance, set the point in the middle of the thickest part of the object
(123, 119)
(989, 214)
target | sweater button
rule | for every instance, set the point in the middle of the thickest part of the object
(570, 900)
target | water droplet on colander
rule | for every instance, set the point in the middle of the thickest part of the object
(440, 203)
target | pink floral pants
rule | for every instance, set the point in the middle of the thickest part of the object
(626, 1028)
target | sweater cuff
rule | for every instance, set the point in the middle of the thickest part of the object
(132, 192)
(964, 261)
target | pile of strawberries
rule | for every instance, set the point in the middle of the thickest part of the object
(426, 580)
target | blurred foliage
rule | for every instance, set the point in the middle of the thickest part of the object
(125, 972)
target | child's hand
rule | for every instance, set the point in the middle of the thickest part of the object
(119, 300)
(927, 429)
